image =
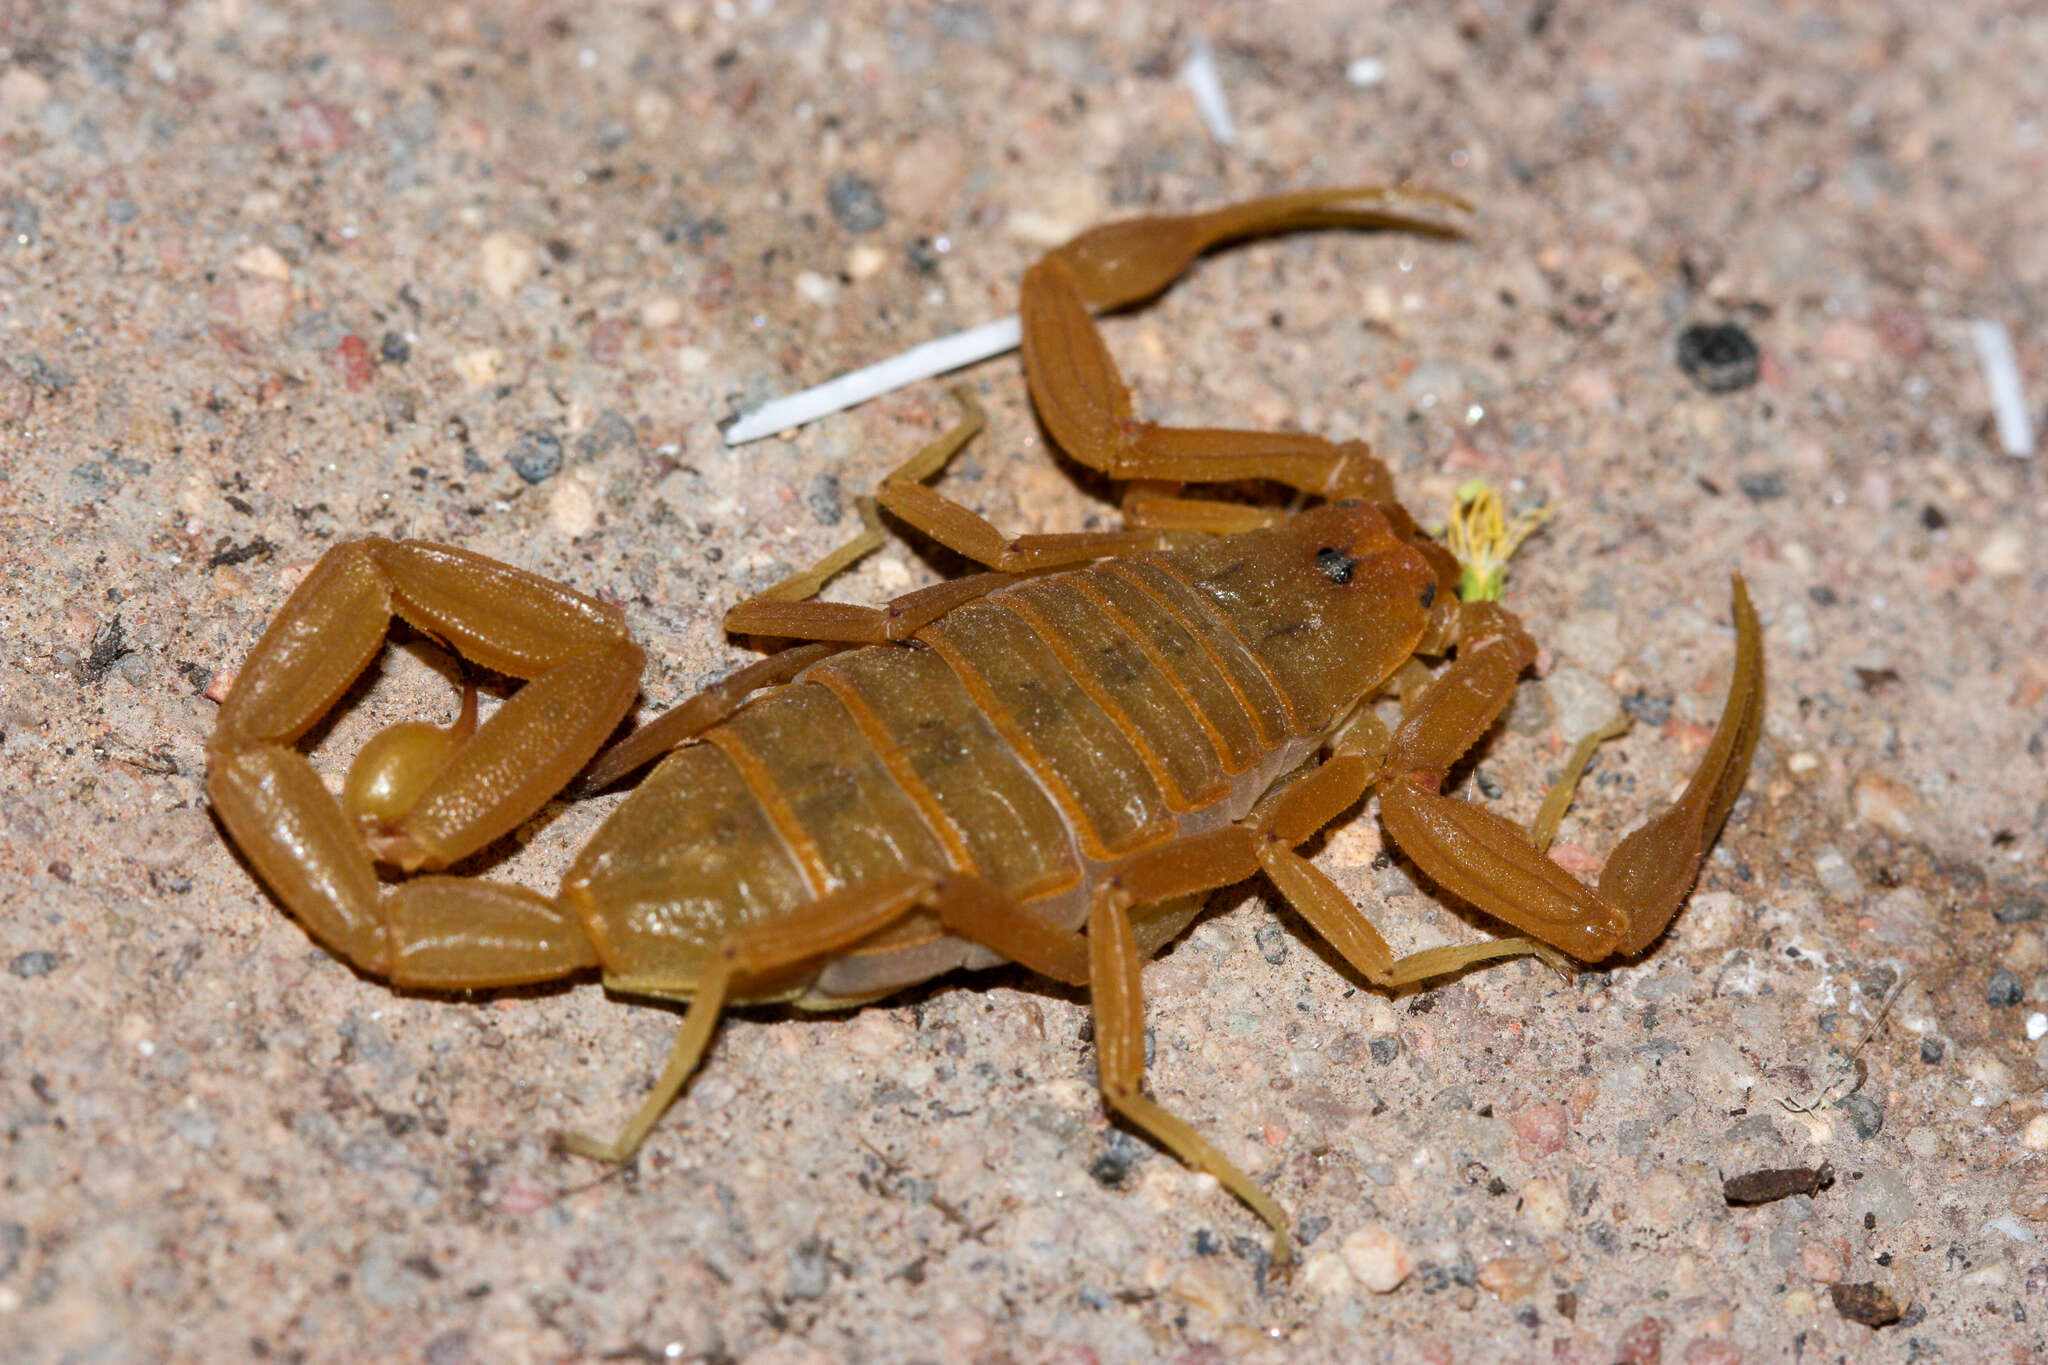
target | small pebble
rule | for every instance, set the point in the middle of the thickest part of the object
(2004, 990)
(2037, 1027)
(505, 261)
(572, 510)
(855, 203)
(1365, 72)
(2034, 1137)
(535, 456)
(1647, 709)
(2004, 555)
(1881, 801)
(479, 368)
(866, 261)
(1544, 1202)
(1836, 875)
(1865, 1114)
(1542, 1129)
(1865, 1303)
(264, 263)
(810, 1269)
(1582, 701)
(1377, 1258)
(1719, 357)
(2023, 908)
(1511, 1278)
(37, 962)
(2027, 954)
(1931, 1050)
(1272, 941)
(1642, 1343)
(815, 288)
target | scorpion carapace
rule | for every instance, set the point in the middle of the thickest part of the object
(1045, 763)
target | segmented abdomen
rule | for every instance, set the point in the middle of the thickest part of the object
(1060, 722)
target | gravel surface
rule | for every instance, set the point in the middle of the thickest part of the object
(275, 275)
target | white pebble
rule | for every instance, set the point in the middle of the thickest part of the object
(1366, 72)
(264, 263)
(504, 262)
(2035, 1136)
(663, 310)
(1377, 1258)
(2004, 555)
(815, 288)
(1545, 1204)
(571, 508)
(2037, 1025)
(479, 368)
(866, 261)
(1836, 875)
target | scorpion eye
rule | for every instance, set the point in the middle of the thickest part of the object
(1335, 564)
(1428, 596)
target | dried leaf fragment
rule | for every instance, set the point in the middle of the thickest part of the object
(1865, 1303)
(1769, 1186)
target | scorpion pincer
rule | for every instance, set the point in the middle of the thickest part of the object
(1048, 762)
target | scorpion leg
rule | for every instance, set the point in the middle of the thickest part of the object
(966, 532)
(968, 906)
(1492, 863)
(1354, 765)
(785, 611)
(1117, 1000)
(427, 797)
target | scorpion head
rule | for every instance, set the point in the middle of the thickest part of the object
(1332, 601)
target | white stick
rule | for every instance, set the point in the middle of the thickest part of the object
(2002, 377)
(1205, 83)
(836, 395)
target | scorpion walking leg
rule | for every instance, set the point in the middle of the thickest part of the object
(1308, 806)
(968, 906)
(968, 533)
(827, 925)
(1490, 862)
(784, 609)
(1118, 1002)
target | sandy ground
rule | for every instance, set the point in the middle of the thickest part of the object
(277, 275)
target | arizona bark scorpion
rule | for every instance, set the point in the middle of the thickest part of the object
(1046, 763)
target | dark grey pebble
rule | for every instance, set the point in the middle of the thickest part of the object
(36, 962)
(2004, 990)
(1719, 357)
(855, 203)
(1866, 1115)
(535, 456)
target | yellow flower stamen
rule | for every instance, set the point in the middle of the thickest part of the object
(1484, 540)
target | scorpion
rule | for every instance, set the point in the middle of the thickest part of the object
(1049, 762)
